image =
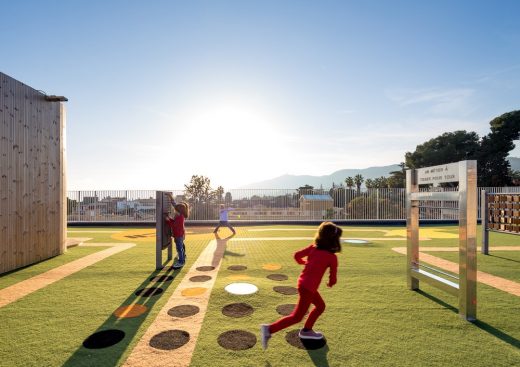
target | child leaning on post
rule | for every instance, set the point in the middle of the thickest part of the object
(180, 213)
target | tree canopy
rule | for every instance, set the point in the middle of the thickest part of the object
(491, 151)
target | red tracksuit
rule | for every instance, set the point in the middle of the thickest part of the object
(308, 283)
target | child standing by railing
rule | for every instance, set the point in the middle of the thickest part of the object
(320, 255)
(181, 212)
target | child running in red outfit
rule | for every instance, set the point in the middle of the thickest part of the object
(320, 255)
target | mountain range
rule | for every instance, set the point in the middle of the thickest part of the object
(338, 177)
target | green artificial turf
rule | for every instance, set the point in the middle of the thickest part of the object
(27, 272)
(371, 319)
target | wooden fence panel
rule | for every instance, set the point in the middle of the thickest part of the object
(32, 193)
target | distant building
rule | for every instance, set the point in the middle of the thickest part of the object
(316, 206)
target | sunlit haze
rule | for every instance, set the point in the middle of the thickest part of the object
(244, 91)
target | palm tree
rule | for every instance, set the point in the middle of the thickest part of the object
(349, 182)
(358, 180)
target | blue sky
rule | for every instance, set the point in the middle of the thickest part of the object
(242, 91)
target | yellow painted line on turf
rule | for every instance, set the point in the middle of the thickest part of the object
(346, 229)
(505, 285)
(186, 293)
(28, 286)
(426, 232)
(94, 231)
(242, 239)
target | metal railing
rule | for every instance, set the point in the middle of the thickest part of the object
(138, 206)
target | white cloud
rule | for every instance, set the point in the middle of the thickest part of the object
(437, 101)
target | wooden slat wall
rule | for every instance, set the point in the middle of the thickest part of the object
(32, 176)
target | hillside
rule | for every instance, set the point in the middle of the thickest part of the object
(295, 181)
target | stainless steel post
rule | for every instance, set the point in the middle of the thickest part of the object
(467, 240)
(412, 229)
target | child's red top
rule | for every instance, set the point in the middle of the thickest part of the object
(177, 225)
(317, 263)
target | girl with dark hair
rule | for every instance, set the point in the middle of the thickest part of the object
(320, 255)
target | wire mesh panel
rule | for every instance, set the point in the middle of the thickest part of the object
(338, 203)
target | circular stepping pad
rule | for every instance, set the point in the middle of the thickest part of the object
(130, 311)
(237, 310)
(193, 292)
(356, 241)
(200, 278)
(104, 339)
(237, 340)
(239, 277)
(148, 292)
(286, 290)
(241, 288)
(237, 267)
(308, 344)
(277, 277)
(271, 266)
(162, 278)
(206, 268)
(169, 340)
(183, 311)
(286, 309)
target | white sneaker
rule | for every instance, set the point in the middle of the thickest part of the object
(265, 335)
(310, 334)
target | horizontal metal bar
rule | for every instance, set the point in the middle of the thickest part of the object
(505, 232)
(446, 196)
(438, 271)
(436, 281)
(436, 207)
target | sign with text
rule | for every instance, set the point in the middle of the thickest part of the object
(438, 174)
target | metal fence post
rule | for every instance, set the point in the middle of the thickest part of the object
(484, 217)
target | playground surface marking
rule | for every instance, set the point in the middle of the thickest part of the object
(187, 293)
(28, 286)
(505, 285)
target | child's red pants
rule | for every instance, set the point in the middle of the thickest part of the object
(306, 298)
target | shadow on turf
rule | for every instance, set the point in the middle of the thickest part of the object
(221, 250)
(111, 356)
(319, 356)
(478, 323)
(504, 258)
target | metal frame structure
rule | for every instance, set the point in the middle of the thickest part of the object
(465, 173)
(162, 240)
(501, 214)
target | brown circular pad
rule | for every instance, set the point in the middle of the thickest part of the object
(162, 278)
(286, 309)
(148, 292)
(309, 344)
(200, 278)
(277, 277)
(104, 339)
(183, 311)
(237, 340)
(130, 311)
(285, 290)
(171, 339)
(206, 268)
(237, 310)
(237, 267)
